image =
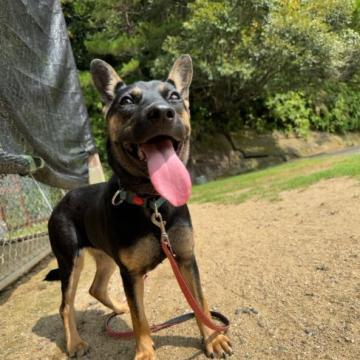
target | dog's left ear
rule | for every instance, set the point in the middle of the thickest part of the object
(181, 75)
(105, 79)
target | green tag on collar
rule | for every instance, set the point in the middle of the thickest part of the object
(157, 203)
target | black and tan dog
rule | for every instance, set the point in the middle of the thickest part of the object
(148, 144)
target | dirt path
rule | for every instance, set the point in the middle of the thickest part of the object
(287, 274)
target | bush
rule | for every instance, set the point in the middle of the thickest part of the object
(290, 111)
(337, 109)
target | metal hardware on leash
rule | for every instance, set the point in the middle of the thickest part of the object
(114, 200)
(157, 220)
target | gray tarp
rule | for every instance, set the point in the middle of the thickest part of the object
(42, 111)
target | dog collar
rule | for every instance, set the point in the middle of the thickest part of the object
(132, 198)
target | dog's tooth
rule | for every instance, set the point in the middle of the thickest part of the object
(179, 148)
(141, 154)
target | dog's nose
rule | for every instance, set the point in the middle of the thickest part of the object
(160, 112)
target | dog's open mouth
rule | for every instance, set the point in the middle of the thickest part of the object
(167, 172)
(137, 151)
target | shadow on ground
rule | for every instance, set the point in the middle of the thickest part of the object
(91, 328)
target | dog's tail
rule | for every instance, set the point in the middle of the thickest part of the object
(53, 275)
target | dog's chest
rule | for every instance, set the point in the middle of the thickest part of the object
(144, 255)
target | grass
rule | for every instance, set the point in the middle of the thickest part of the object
(26, 231)
(269, 183)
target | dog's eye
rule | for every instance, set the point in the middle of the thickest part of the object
(126, 100)
(174, 96)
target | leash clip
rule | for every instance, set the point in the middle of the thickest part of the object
(157, 220)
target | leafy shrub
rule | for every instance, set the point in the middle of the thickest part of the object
(334, 109)
(337, 109)
(290, 111)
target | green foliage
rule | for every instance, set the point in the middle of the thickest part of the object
(337, 109)
(78, 16)
(129, 67)
(94, 107)
(245, 49)
(287, 64)
(290, 112)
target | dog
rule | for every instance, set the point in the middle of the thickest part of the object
(148, 140)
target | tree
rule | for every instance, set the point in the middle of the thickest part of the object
(247, 50)
(286, 64)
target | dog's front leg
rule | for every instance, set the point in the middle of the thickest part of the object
(216, 344)
(134, 290)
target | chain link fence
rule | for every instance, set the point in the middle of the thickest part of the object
(25, 206)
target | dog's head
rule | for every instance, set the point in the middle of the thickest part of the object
(148, 127)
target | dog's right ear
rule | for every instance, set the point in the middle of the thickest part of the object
(105, 79)
(181, 75)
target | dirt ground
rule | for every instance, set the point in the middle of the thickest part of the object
(286, 273)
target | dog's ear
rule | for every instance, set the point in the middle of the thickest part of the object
(181, 75)
(105, 79)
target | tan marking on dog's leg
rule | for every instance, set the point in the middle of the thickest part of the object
(215, 343)
(105, 267)
(74, 344)
(135, 298)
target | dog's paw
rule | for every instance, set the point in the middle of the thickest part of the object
(78, 349)
(145, 351)
(145, 355)
(218, 346)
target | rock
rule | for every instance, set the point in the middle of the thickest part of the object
(321, 268)
(211, 144)
(216, 155)
(200, 180)
(246, 310)
(252, 144)
(315, 143)
(310, 332)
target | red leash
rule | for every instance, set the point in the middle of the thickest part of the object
(198, 312)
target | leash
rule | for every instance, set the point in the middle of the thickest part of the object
(126, 335)
(197, 310)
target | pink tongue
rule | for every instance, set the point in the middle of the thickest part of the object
(168, 174)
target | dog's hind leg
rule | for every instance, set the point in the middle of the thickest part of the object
(105, 267)
(64, 239)
(69, 280)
